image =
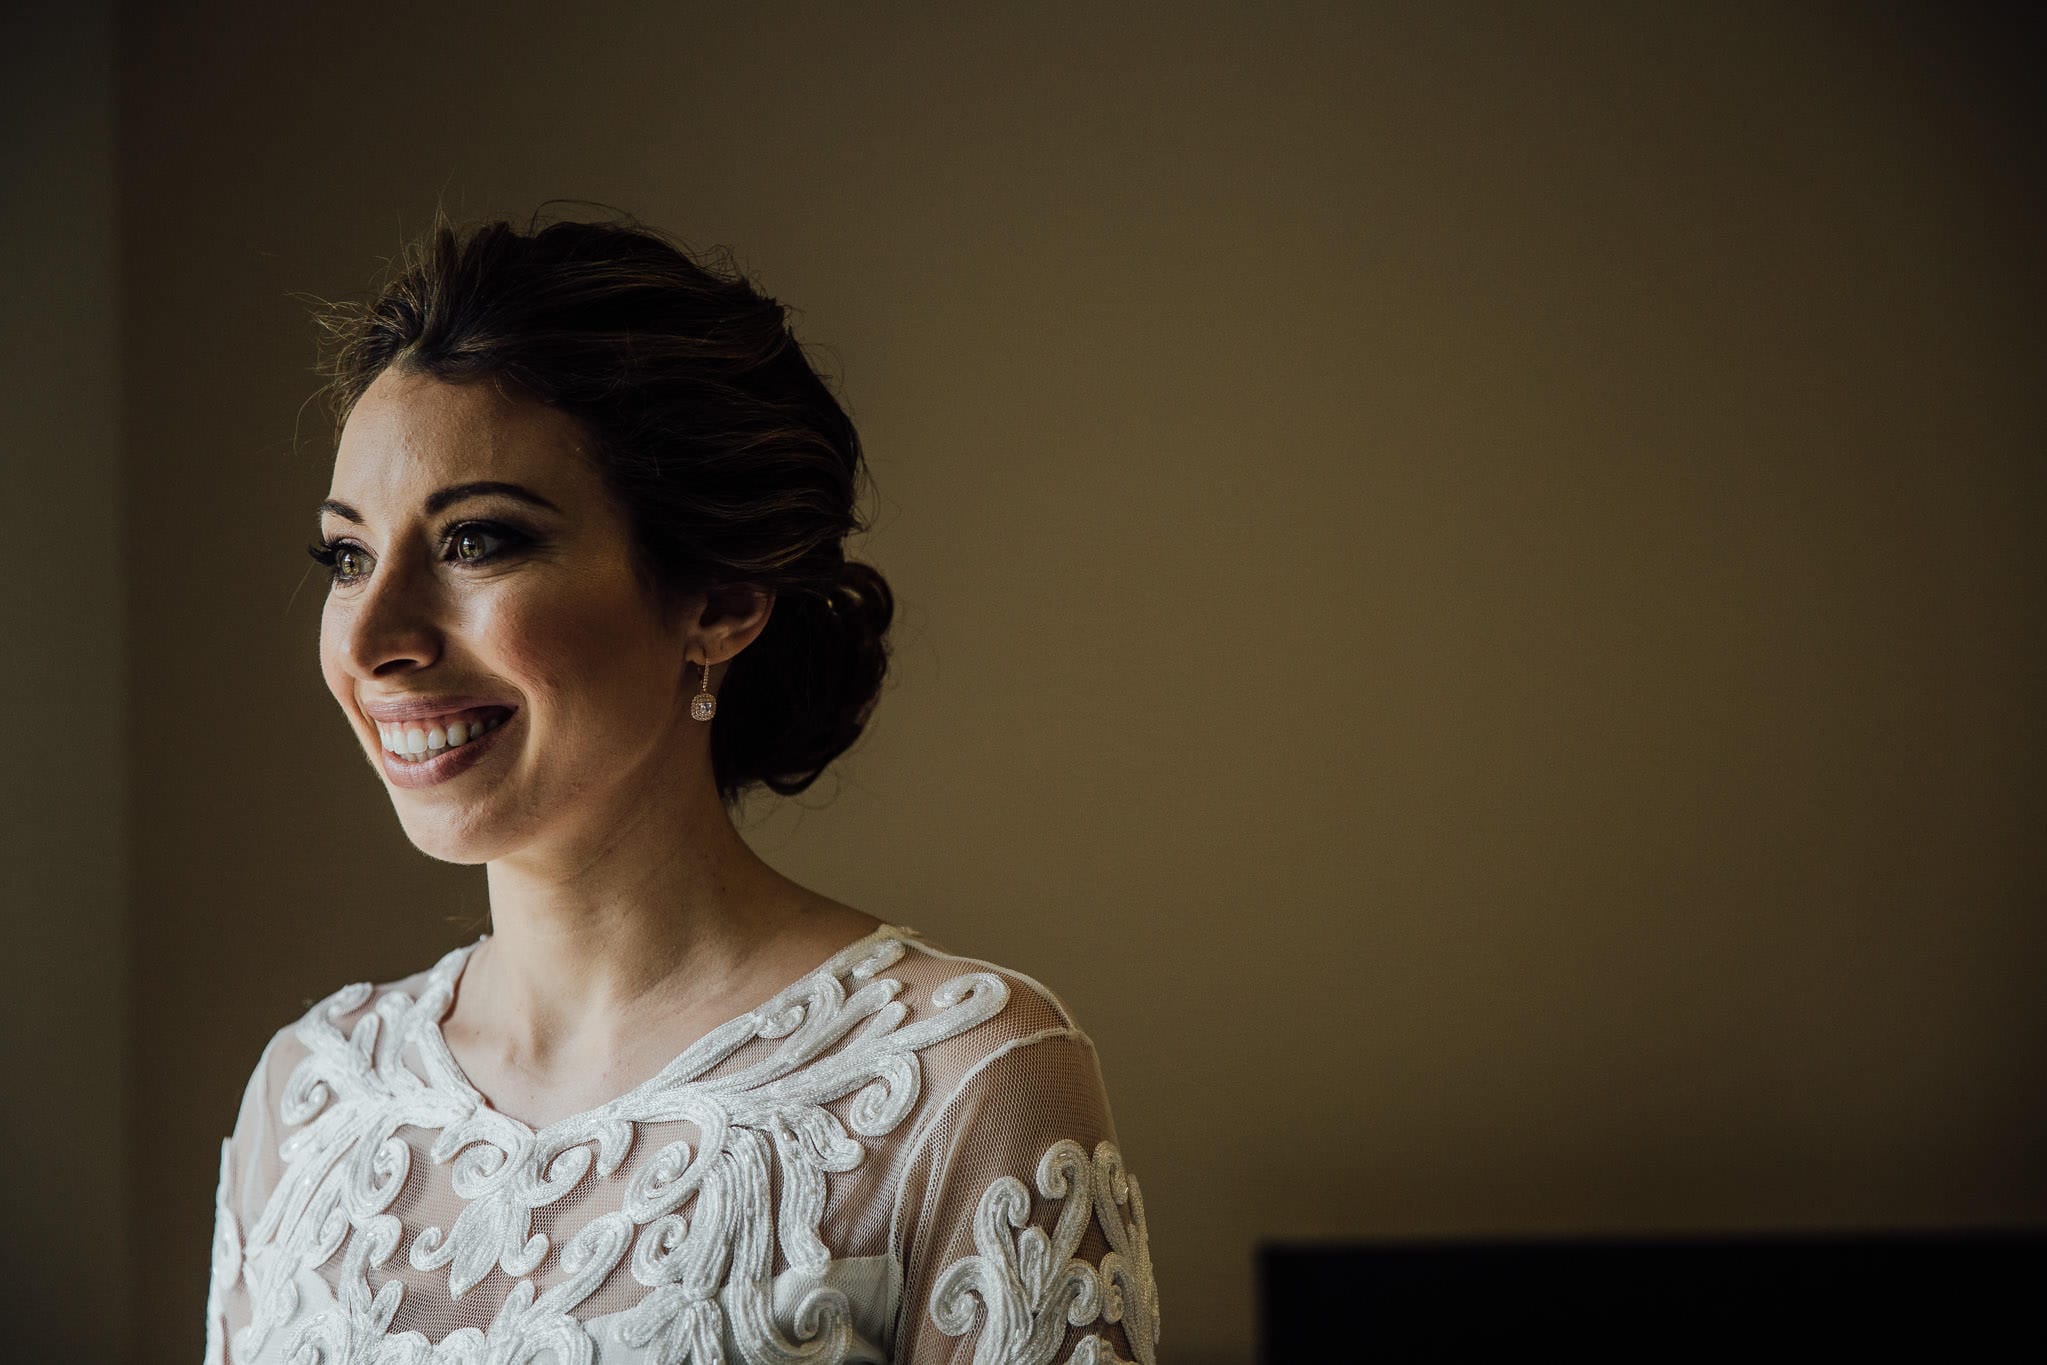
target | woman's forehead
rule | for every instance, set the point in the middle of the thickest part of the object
(407, 434)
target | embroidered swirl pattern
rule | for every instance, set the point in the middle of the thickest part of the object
(707, 1270)
(1032, 1287)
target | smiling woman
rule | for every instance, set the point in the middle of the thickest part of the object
(584, 537)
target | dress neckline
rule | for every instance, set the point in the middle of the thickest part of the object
(446, 977)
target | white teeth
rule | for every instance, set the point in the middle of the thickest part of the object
(416, 743)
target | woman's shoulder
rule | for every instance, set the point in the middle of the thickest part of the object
(926, 967)
(943, 969)
(1020, 1025)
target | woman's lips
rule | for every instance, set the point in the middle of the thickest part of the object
(396, 711)
(448, 762)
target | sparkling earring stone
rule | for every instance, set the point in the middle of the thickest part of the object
(703, 706)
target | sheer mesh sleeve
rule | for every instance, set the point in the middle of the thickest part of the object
(249, 1169)
(1021, 1235)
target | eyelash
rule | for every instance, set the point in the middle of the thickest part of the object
(327, 553)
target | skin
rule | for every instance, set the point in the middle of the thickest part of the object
(628, 916)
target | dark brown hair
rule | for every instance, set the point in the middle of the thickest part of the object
(733, 461)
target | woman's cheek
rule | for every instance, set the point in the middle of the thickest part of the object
(551, 649)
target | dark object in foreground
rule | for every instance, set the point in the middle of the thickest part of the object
(1652, 1299)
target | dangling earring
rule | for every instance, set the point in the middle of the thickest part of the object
(703, 705)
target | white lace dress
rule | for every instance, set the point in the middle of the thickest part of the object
(904, 1156)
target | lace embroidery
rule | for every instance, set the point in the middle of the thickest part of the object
(344, 1168)
(227, 1264)
(1032, 1288)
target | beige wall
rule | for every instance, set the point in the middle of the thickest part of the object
(62, 686)
(1465, 579)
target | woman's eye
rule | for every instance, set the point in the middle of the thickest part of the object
(471, 543)
(338, 559)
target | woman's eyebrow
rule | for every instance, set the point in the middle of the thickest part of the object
(448, 497)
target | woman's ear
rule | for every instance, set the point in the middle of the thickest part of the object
(733, 615)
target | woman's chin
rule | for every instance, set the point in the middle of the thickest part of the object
(446, 841)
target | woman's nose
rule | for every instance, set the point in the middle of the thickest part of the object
(395, 626)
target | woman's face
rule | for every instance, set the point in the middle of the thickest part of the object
(502, 629)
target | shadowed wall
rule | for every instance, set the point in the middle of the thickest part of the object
(1467, 580)
(64, 1254)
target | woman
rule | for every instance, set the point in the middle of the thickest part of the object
(587, 588)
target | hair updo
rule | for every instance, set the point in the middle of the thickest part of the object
(732, 460)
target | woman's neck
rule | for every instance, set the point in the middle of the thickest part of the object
(597, 940)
